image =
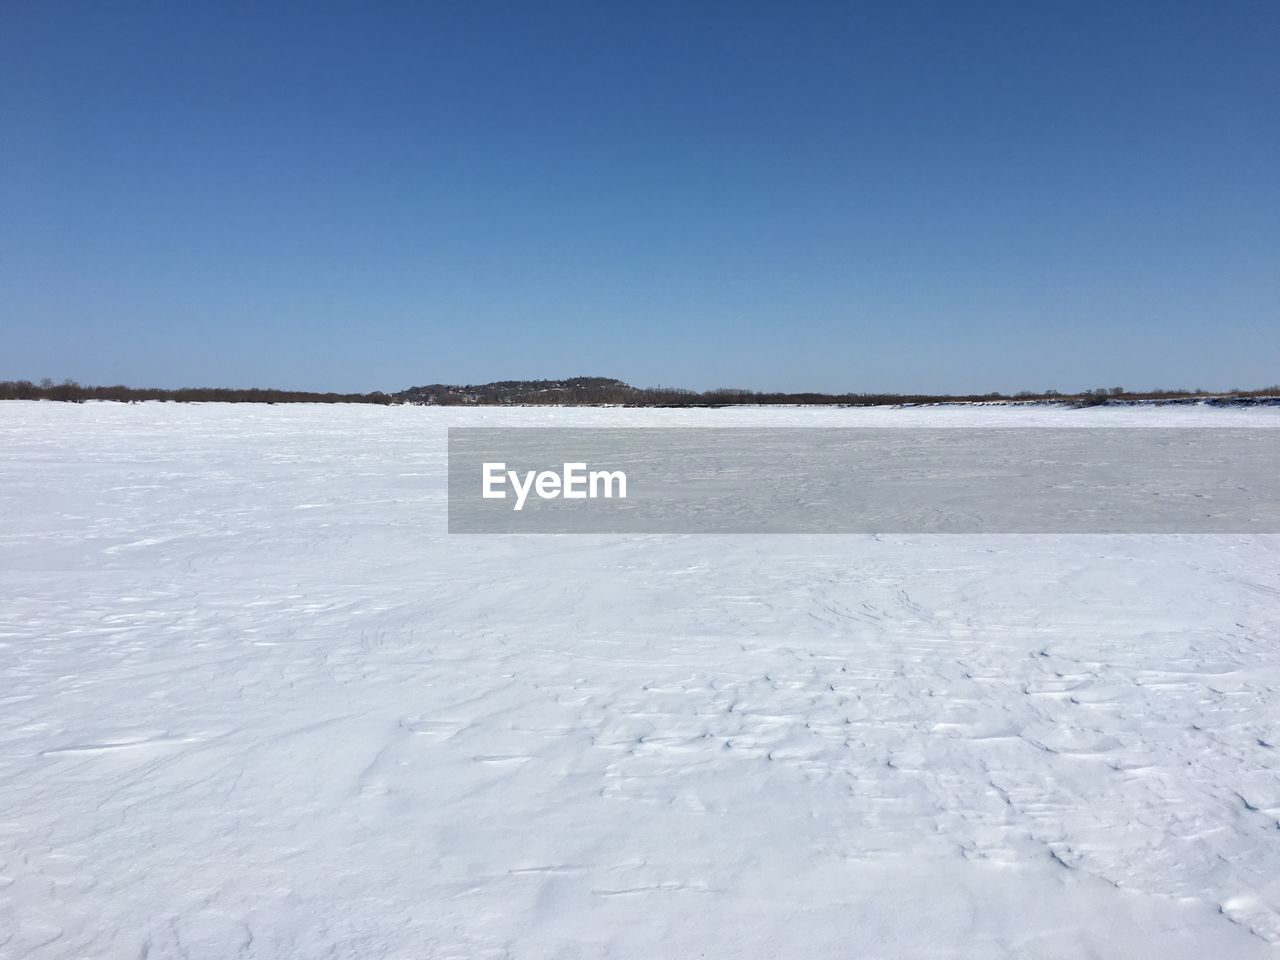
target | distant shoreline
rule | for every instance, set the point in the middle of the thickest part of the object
(603, 392)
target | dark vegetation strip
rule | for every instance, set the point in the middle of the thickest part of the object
(589, 391)
(73, 392)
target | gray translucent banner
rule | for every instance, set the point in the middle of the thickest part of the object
(898, 480)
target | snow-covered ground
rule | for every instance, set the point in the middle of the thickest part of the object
(257, 703)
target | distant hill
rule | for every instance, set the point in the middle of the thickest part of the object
(574, 390)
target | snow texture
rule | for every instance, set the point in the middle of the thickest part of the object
(258, 704)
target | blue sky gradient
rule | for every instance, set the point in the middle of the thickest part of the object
(833, 196)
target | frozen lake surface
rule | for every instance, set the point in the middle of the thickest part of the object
(258, 704)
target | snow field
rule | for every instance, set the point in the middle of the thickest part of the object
(257, 703)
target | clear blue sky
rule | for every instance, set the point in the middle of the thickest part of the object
(839, 196)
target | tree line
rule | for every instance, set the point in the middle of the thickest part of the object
(72, 392)
(580, 391)
(586, 391)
